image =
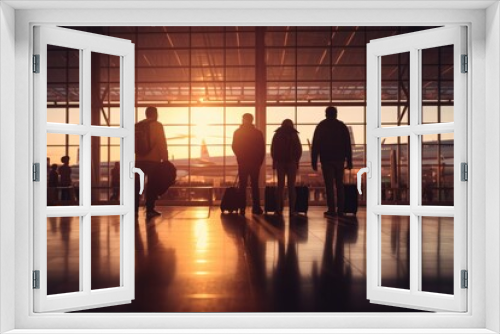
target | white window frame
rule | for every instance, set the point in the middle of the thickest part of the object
(413, 44)
(483, 50)
(85, 43)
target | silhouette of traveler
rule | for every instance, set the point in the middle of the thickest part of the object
(332, 143)
(150, 150)
(52, 184)
(53, 176)
(249, 148)
(115, 181)
(286, 151)
(65, 179)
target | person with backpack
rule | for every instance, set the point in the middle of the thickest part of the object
(150, 151)
(286, 151)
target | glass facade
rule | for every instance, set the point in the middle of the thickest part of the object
(203, 79)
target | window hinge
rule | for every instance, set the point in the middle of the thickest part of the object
(36, 279)
(36, 172)
(36, 63)
(464, 172)
(465, 279)
(465, 64)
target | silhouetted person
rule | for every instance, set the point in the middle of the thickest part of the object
(148, 162)
(115, 181)
(249, 148)
(53, 176)
(52, 184)
(65, 179)
(286, 151)
(332, 143)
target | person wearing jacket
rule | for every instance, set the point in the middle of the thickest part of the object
(332, 143)
(250, 149)
(286, 151)
(148, 162)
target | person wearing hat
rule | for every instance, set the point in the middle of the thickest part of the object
(250, 149)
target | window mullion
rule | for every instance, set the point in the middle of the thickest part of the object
(414, 171)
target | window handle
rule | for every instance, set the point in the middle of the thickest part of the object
(368, 171)
(141, 175)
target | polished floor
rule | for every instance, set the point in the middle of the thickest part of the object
(192, 259)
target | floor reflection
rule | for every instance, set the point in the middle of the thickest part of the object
(193, 260)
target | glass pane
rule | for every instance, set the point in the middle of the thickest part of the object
(438, 169)
(395, 89)
(314, 115)
(105, 250)
(280, 92)
(171, 115)
(63, 170)
(240, 91)
(437, 84)
(105, 90)
(106, 175)
(437, 254)
(63, 255)
(63, 85)
(234, 115)
(395, 170)
(395, 251)
(176, 135)
(276, 115)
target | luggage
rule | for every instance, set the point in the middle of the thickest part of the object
(164, 177)
(232, 200)
(270, 199)
(350, 198)
(302, 199)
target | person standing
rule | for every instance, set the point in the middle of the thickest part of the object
(65, 179)
(332, 143)
(286, 151)
(151, 150)
(249, 149)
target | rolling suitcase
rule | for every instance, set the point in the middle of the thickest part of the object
(302, 199)
(269, 199)
(232, 200)
(350, 197)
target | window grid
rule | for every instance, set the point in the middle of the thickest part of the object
(340, 53)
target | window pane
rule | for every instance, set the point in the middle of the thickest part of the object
(395, 170)
(437, 254)
(438, 169)
(437, 84)
(395, 89)
(234, 115)
(105, 174)
(63, 85)
(395, 251)
(63, 255)
(105, 250)
(63, 170)
(105, 91)
(172, 115)
(276, 115)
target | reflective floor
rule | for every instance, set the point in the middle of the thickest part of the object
(197, 260)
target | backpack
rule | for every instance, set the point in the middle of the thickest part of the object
(142, 137)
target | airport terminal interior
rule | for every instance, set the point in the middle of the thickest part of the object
(193, 258)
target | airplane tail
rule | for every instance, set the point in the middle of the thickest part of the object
(204, 156)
